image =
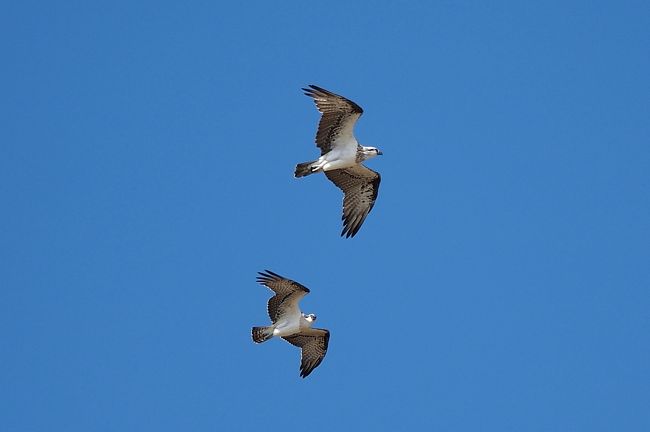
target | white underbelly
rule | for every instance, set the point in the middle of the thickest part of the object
(340, 157)
(339, 164)
(287, 326)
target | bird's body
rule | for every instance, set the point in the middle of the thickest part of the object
(342, 156)
(289, 323)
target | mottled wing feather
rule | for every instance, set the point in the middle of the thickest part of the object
(313, 343)
(288, 305)
(360, 186)
(338, 119)
(286, 292)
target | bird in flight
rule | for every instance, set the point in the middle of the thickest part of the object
(289, 323)
(341, 157)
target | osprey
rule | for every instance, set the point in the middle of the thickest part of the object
(341, 157)
(289, 323)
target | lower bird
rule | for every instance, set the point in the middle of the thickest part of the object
(289, 323)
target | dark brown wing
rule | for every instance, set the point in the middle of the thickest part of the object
(313, 343)
(287, 293)
(338, 119)
(360, 186)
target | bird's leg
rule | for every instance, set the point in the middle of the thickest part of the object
(320, 163)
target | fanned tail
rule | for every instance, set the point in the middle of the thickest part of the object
(261, 334)
(304, 169)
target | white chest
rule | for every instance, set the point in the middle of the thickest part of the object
(290, 324)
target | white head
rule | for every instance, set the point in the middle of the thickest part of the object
(370, 152)
(310, 318)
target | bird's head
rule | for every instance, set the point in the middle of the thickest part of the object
(310, 318)
(370, 152)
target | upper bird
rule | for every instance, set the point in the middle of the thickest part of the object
(289, 323)
(341, 157)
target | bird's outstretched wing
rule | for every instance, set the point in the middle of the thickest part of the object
(313, 343)
(360, 186)
(287, 293)
(337, 122)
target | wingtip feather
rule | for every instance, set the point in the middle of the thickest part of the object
(267, 276)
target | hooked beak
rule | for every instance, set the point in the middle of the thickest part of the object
(379, 153)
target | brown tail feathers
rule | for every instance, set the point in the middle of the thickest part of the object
(261, 334)
(304, 169)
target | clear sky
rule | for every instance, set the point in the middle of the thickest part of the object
(501, 283)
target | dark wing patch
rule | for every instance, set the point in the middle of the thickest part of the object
(360, 186)
(339, 116)
(314, 343)
(283, 289)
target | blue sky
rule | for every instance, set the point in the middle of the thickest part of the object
(501, 282)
